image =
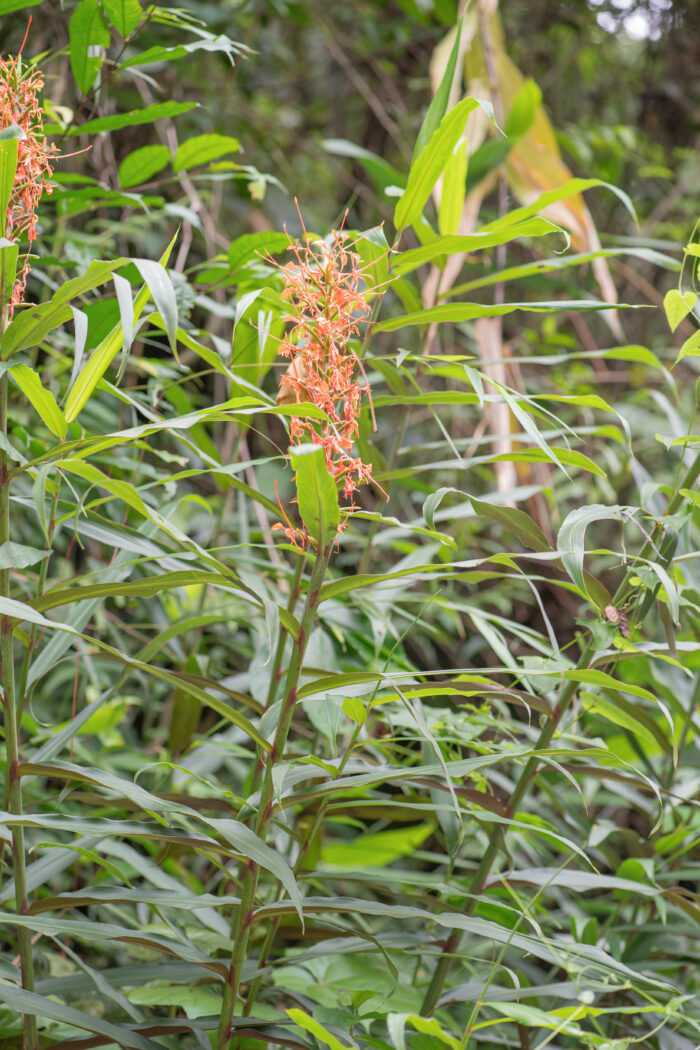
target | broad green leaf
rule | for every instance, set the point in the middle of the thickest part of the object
(251, 246)
(88, 33)
(453, 191)
(18, 556)
(626, 714)
(124, 15)
(141, 165)
(690, 348)
(8, 167)
(429, 1026)
(98, 272)
(441, 99)
(202, 149)
(516, 521)
(8, 6)
(305, 1021)
(316, 493)
(523, 110)
(41, 398)
(376, 850)
(8, 270)
(570, 541)
(678, 305)
(198, 1001)
(430, 163)
(156, 111)
(32, 325)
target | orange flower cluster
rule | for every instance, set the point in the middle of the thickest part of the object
(323, 287)
(19, 104)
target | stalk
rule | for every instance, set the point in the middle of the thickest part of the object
(12, 719)
(243, 921)
(274, 926)
(566, 696)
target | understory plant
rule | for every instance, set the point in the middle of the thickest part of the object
(349, 612)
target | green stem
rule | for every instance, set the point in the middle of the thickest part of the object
(565, 698)
(243, 920)
(276, 672)
(12, 736)
(274, 926)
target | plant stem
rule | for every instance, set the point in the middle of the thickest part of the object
(12, 719)
(565, 698)
(274, 926)
(243, 921)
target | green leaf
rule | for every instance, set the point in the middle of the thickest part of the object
(37, 1005)
(690, 348)
(185, 713)
(32, 325)
(8, 168)
(41, 398)
(18, 556)
(88, 32)
(108, 349)
(8, 6)
(429, 1026)
(474, 242)
(250, 246)
(570, 541)
(98, 272)
(460, 312)
(198, 1001)
(162, 292)
(568, 189)
(8, 270)
(156, 111)
(523, 110)
(316, 493)
(376, 850)
(430, 163)
(441, 99)
(316, 1029)
(202, 149)
(453, 191)
(124, 15)
(141, 165)
(516, 521)
(245, 841)
(678, 305)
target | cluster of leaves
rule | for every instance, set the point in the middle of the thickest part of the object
(434, 787)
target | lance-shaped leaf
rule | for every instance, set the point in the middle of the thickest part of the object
(316, 493)
(431, 161)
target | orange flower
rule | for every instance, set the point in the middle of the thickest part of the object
(327, 306)
(19, 104)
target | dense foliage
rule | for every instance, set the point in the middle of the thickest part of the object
(348, 543)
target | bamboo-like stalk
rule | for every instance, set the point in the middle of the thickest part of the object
(12, 719)
(243, 919)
